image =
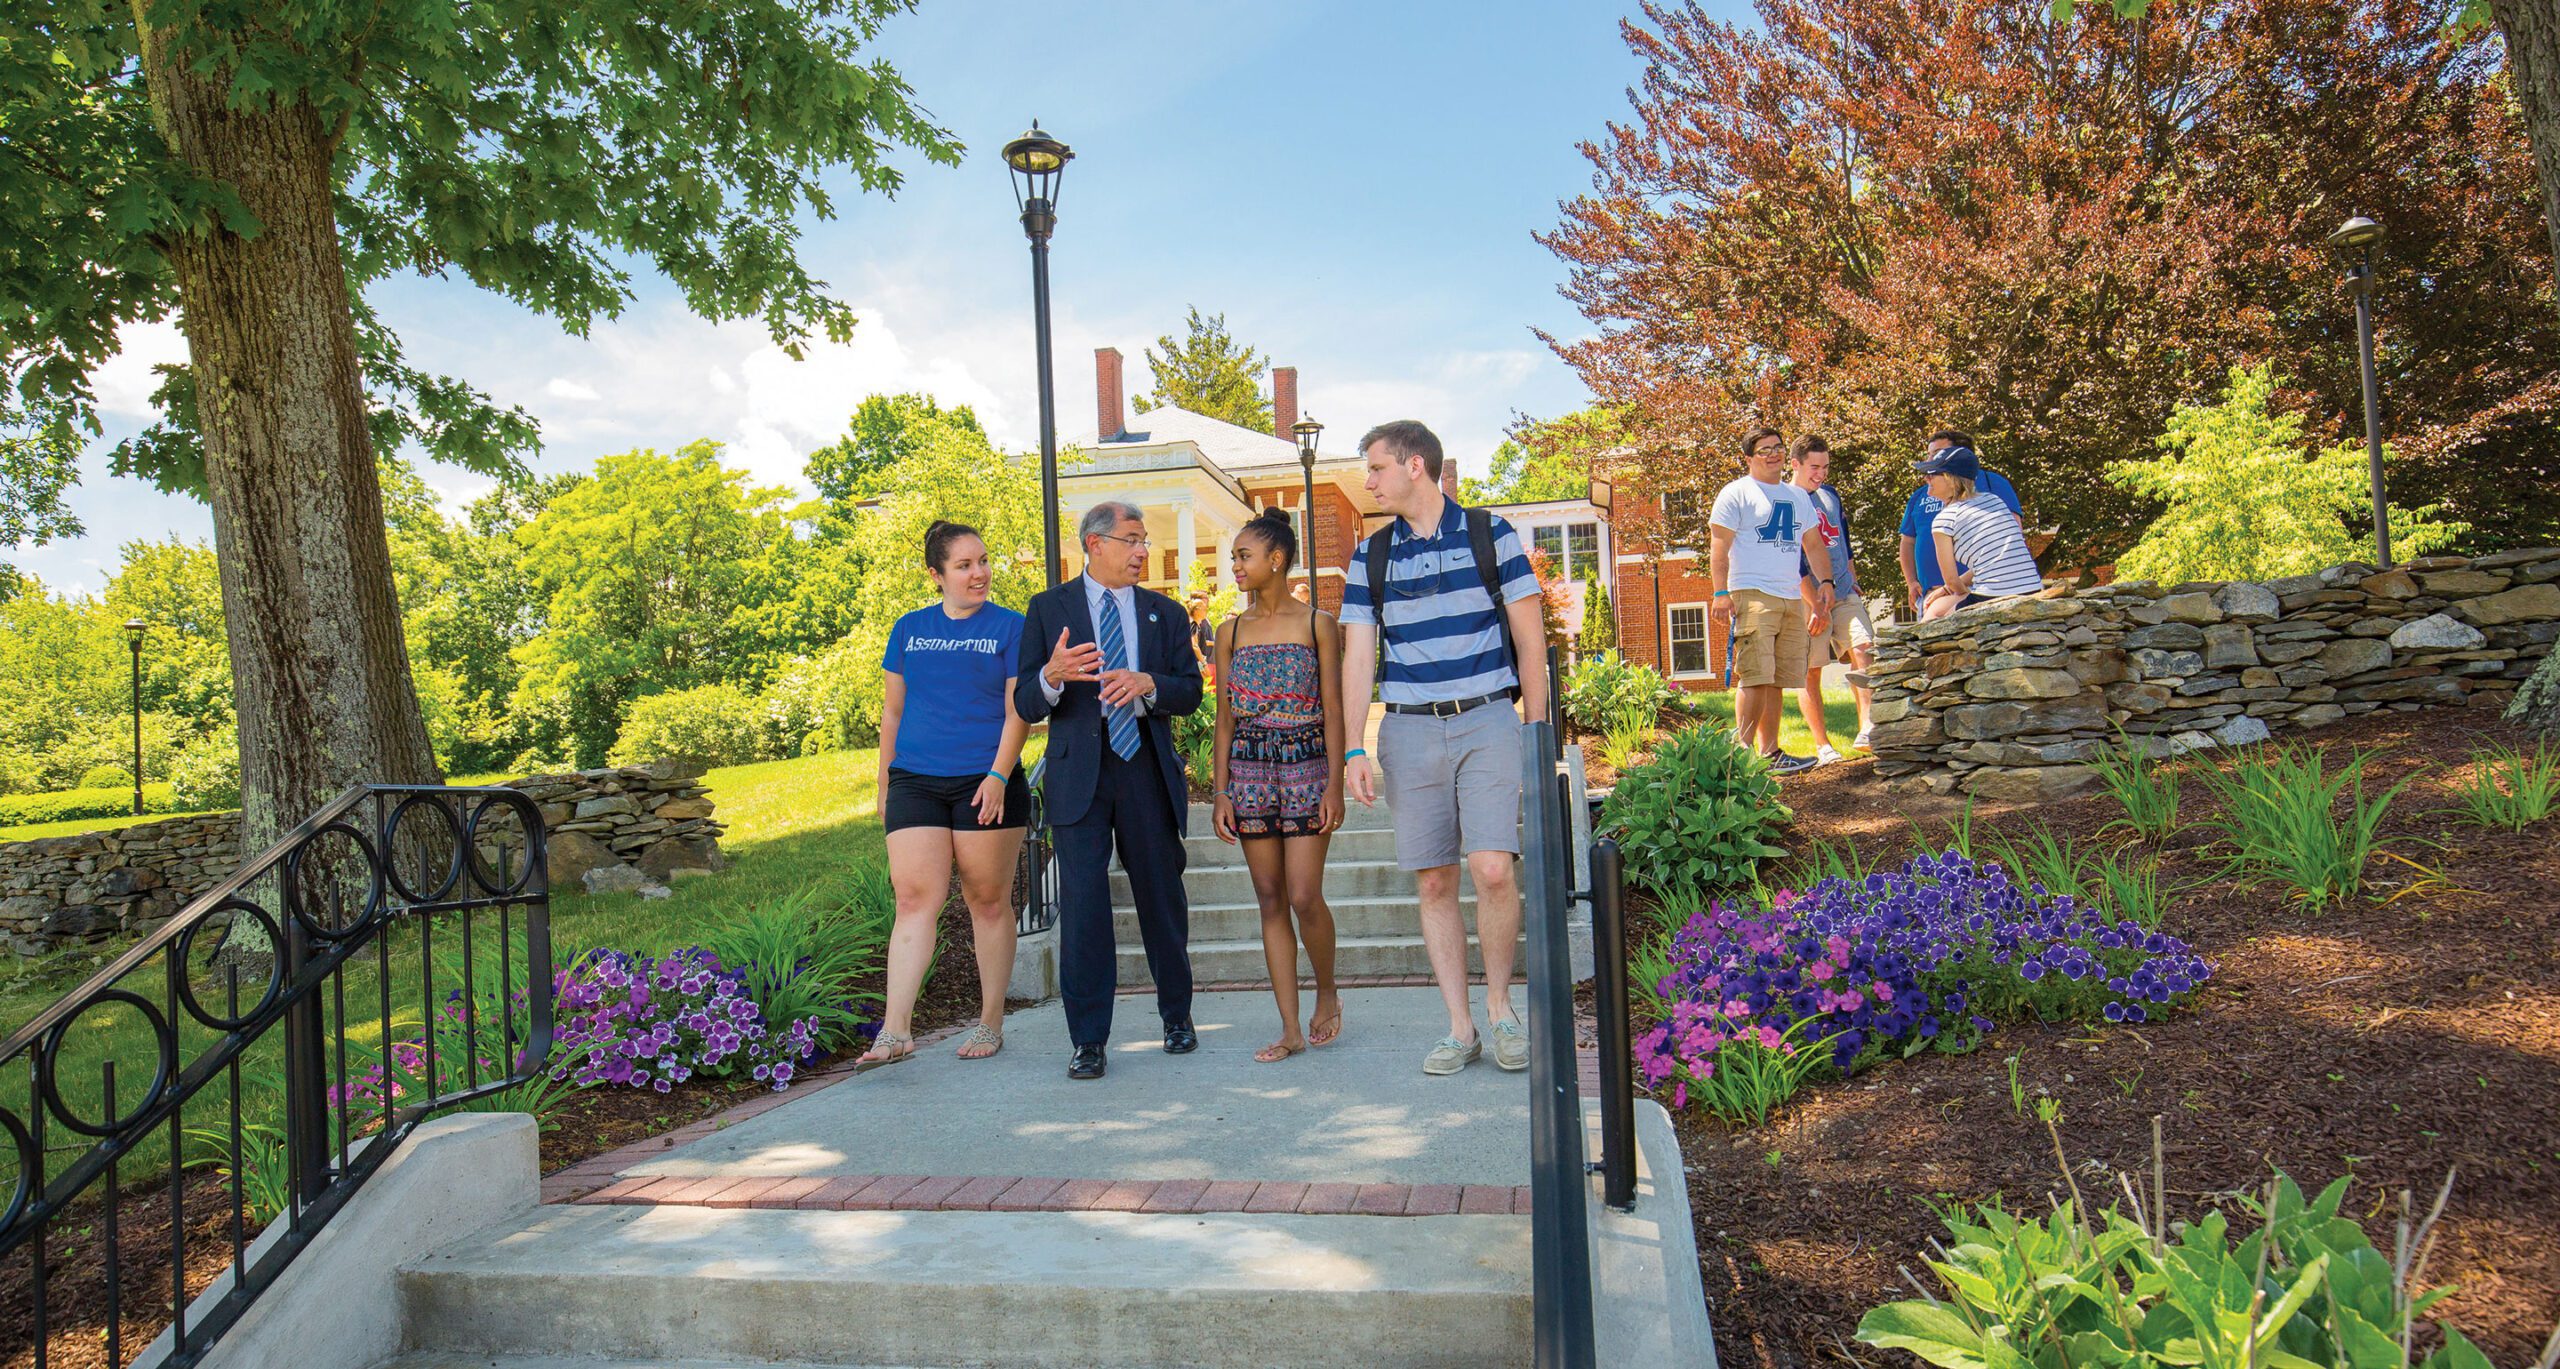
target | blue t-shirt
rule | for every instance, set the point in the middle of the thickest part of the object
(957, 672)
(1920, 514)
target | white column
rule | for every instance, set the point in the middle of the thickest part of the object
(1185, 535)
(1226, 555)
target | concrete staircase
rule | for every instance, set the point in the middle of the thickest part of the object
(1377, 921)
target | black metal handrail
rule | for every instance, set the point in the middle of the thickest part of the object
(313, 916)
(1560, 1250)
(1038, 875)
(1617, 1165)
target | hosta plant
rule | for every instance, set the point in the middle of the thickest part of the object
(1698, 818)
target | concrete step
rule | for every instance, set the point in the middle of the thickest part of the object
(1358, 819)
(1204, 851)
(1240, 960)
(1344, 880)
(1217, 1290)
(438, 1359)
(1352, 917)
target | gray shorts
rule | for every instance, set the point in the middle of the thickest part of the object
(1453, 784)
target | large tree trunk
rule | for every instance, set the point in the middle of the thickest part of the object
(2532, 31)
(320, 673)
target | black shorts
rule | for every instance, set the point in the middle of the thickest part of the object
(950, 802)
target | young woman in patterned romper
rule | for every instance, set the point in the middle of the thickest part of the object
(1280, 769)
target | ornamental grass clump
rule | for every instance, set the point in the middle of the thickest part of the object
(1934, 952)
(655, 1022)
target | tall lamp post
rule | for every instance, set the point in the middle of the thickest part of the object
(133, 630)
(1307, 430)
(2355, 241)
(1038, 161)
(1604, 497)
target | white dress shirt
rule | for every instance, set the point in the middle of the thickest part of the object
(1123, 602)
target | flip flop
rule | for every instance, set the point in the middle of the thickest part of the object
(1318, 1036)
(981, 1035)
(900, 1046)
(1266, 1056)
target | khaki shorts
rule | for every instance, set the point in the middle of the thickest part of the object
(1452, 784)
(1769, 644)
(1851, 631)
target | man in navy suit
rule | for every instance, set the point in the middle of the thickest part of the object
(1110, 665)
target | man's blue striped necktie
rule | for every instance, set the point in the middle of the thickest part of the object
(1122, 724)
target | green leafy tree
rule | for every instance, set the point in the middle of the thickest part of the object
(175, 587)
(254, 169)
(2248, 499)
(643, 571)
(1544, 459)
(1209, 372)
(39, 460)
(1599, 619)
(885, 430)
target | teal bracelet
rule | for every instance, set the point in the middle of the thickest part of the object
(1355, 751)
(999, 777)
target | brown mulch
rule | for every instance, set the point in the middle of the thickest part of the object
(589, 1122)
(2390, 1041)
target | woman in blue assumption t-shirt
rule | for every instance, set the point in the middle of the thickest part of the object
(951, 792)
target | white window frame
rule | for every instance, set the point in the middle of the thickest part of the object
(1706, 641)
(1563, 545)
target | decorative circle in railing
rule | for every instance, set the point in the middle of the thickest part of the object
(23, 1191)
(420, 848)
(318, 878)
(500, 848)
(183, 950)
(164, 1069)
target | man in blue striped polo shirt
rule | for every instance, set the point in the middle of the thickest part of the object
(1450, 743)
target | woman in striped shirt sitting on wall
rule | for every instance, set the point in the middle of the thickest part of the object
(1980, 546)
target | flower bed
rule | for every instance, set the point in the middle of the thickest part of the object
(647, 1022)
(1933, 953)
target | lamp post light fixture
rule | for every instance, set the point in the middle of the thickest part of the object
(1038, 161)
(1307, 430)
(134, 628)
(2355, 241)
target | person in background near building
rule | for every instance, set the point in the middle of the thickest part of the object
(1850, 636)
(1759, 546)
(1279, 769)
(950, 791)
(1980, 548)
(1920, 573)
(1204, 634)
(1109, 664)
(1459, 625)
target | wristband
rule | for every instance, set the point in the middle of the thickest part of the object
(999, 777)
(1723, 593)
(1355, 751)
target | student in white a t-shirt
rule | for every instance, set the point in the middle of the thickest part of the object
(1761, 535)
(1979, 543)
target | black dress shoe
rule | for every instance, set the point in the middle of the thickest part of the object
(1180, 1039)
(1087, 1064)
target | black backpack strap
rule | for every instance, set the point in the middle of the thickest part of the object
(1488, 569)
(1378, 543)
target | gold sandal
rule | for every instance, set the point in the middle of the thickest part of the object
(981, 1035)
(899, 1047)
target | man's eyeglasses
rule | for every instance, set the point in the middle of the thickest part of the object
(1139, 541)
(1770, 449)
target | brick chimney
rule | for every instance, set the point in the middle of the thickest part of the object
(1449, 476)
(1284, 402)
(1107, 422)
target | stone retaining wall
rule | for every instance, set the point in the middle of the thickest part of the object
(2011, 699)
(116, 885)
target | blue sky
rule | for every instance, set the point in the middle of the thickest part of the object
(1353, 184)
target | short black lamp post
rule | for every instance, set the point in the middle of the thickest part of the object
(1307, 430)
(1038, 162)
(2355, 241)
(133, 630)
(1604, 497)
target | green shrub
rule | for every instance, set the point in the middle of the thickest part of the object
(206, 776)
(2511, 788)
(106, 777)
(1605, 694)
(717, 724)
(801, 953)
(2277, 819)
(1698, 818)
(2305, 1291)
(68, 805)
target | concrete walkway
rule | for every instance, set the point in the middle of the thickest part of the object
(1357, 1112)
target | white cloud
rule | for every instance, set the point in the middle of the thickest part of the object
(124, 382)
(562, 387)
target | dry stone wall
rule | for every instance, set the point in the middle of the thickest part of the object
(2010, 700)
(640, 824)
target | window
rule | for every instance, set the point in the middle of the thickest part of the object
(1582, 540)
(1680, 506)
(1688, 639)
(1551, 541)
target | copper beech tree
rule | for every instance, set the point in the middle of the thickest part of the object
(1875, 218)
(253, 168)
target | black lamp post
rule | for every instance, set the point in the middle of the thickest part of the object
(1307, 430)
(1604, 497)
(134, 628)
(1038, 161)
(2355, 241)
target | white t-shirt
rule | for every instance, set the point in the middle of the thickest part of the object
(1769, 524)
(1990, 544)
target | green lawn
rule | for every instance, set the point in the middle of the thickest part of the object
(73, 826)
(793, 825)
(1839, 717)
